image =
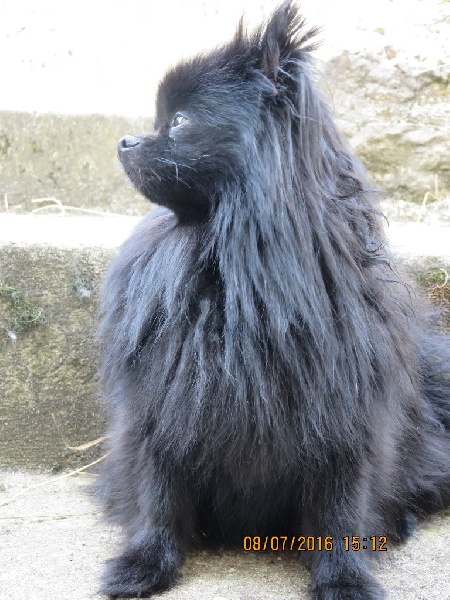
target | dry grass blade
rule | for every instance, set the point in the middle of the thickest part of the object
(48, 483)
(62, 208)
(77, 448)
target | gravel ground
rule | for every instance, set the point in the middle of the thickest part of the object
(52, 545)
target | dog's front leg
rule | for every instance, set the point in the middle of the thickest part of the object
(156, 535)
(337, 510)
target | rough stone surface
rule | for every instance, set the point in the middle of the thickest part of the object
(57, 161)
(397, 118)
(48, 387)
(53, 544)
(392, 95)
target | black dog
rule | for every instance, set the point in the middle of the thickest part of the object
(266, 373)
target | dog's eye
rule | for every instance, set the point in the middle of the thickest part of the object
(179, 119)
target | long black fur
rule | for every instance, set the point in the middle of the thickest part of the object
(265, 368)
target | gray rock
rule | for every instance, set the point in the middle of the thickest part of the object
(393, 102)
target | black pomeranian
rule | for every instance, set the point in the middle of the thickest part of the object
(267, 376)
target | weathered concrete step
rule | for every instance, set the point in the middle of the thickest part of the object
(50, 270)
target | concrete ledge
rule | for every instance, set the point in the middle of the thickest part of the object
(72, 232)
(51, 268)
(48, 363)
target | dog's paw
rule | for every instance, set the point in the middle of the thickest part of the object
(141, 572)
(405, 527)
(369, 590)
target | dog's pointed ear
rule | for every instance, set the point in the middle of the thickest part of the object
(274, 40)
(284, 37)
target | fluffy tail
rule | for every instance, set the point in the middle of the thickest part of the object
(436, 379)
(433, 485)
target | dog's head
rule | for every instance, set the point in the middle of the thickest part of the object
(224, 116)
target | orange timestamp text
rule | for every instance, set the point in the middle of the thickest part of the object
(310, 543)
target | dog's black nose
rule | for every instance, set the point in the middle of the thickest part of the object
(128, 141)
